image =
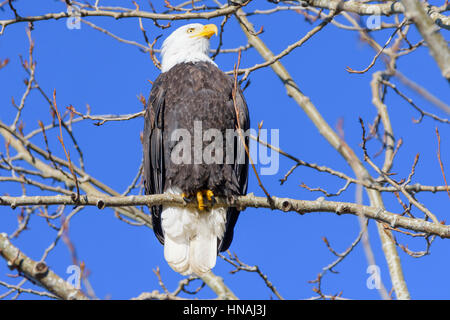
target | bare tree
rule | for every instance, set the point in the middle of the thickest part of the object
(56, 188)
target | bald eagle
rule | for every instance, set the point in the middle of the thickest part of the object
(190, 94)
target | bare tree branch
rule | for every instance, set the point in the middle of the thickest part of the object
(37, 272)
(283, 204)
(430, 32)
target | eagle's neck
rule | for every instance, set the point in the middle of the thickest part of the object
(171, 59)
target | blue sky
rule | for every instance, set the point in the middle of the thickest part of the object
(87, 67)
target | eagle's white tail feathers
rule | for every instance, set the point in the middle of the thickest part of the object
(190, 237)
(176, 253)
(203, 249)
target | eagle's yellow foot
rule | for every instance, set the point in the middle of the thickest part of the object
(186, 197)
(210, 195)
(200, 200)
(201, 203)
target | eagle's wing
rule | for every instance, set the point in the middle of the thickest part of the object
(240, 169)
(154, 152)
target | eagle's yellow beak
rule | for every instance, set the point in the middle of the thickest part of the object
(207, 31)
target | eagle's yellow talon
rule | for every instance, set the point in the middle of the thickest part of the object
(186, 197)
(209, 194)
(201, 204)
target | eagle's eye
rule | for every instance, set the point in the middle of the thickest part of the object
(190, 30)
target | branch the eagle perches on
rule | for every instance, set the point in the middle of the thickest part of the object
(394, 220)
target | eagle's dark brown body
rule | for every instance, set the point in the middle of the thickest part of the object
(187, 95)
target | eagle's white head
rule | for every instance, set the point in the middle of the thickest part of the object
(189, 43)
